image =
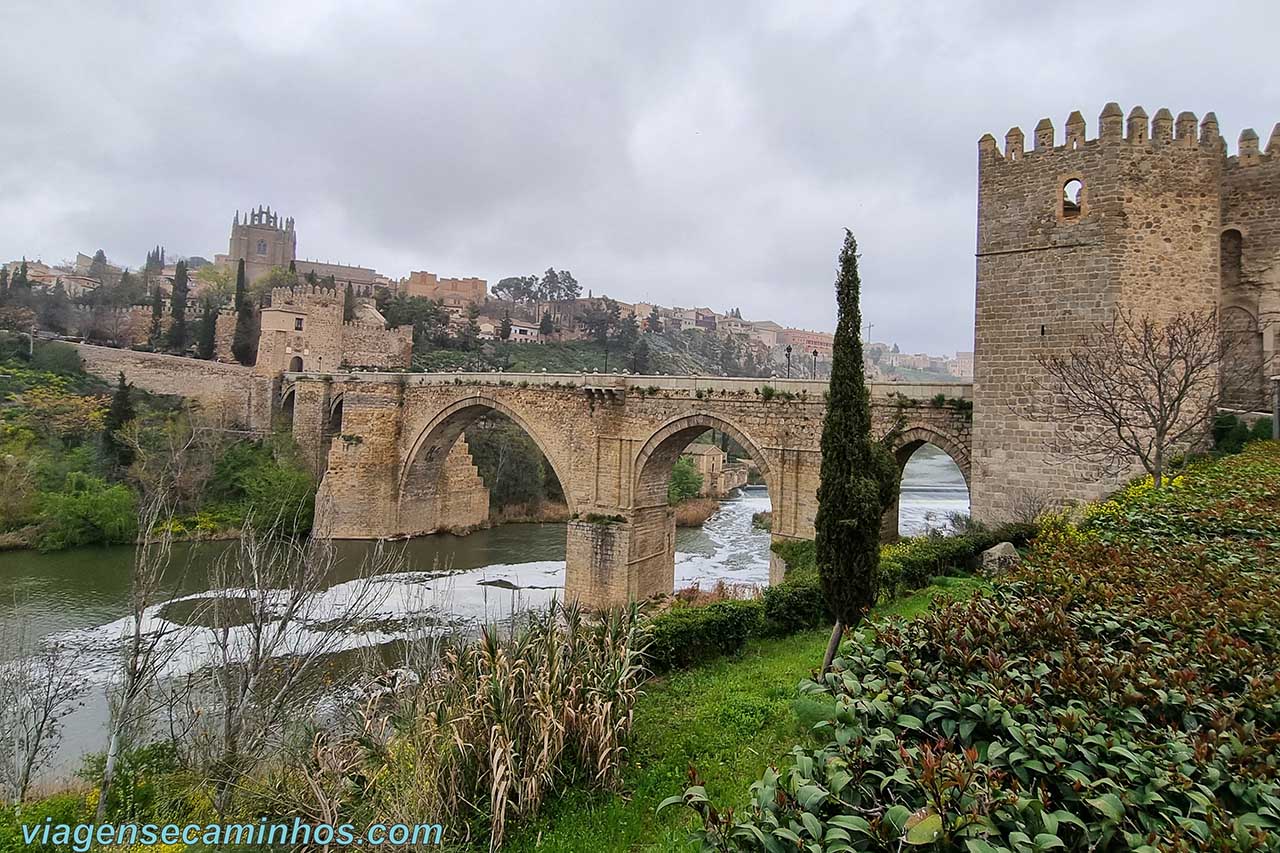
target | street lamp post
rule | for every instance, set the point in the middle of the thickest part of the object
(788, 361)
(1275, 407)
(815, 364)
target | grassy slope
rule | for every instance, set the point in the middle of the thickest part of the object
(729, 718)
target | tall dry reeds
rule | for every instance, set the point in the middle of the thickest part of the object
(496, 727)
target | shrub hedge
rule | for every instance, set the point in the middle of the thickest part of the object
(687, 634)
(1230, 433)
(690, 634)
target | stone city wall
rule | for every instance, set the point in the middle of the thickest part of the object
(232, 395)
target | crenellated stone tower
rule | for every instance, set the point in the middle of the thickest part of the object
(303, 330)
(1151, 215)
(264, 240)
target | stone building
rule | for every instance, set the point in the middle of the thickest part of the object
(303, 330)
(1152, 217)
(363, 280)
(765, 332)
(719, 476)
(456, 293)
(263, 240)
(961, 365)
(805, 341)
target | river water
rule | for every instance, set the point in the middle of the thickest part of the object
(81, 597)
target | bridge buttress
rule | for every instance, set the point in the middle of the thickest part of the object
(358, 496)
(311, 402)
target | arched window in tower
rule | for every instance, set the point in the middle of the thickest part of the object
(1072, 198)
(262, 247)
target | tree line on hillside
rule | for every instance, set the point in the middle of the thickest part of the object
(552, 286)
(184, 321)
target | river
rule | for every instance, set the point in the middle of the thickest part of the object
(81, 597)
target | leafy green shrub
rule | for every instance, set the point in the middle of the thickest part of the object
(262, 479)
(685, 482)
(1230, 433)
(57, 357)
(69, 808)
(800, 555)
(685, 634)
(910, 564)
(1118, 691)
(794, 605)
(281, 496)
(13, 346)
(142, 776)
(87, 512)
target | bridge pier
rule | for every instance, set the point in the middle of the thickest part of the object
(311, 401)
(612, 559)
(359, 493)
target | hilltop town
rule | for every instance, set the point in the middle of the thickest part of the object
(311, 315)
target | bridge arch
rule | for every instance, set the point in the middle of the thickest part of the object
(913, 438)
(905, 446)
(440, 433)
(659, 453)
(650, 548)
(288, 400)
(334, 423)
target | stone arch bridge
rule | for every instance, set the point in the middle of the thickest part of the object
(387, 449)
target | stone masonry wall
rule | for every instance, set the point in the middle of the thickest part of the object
(230, 394)
(369, 345)
(1145, 238)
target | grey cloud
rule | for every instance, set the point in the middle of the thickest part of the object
(703, 153)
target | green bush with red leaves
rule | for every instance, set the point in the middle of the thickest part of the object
(1120, 691)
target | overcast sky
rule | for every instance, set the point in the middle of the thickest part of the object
(685, 153)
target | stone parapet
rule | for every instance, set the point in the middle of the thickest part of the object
(232, 395)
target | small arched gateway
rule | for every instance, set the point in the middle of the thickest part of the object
(295, 364)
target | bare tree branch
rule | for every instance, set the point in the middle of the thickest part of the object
(1133, 390)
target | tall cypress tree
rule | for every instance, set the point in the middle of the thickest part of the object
(349, 305)
(240, 284)
(119, 413)
(157, 313)
(858, 476)
(208, 343)
(178, 307)
(242, 340)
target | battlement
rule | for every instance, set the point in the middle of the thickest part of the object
(1162, 131)
(281, 296)
(264, 217)
(363, 325)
